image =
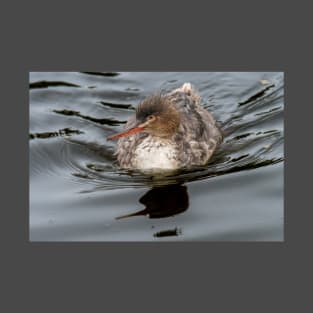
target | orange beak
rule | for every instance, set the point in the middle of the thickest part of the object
(127, 132)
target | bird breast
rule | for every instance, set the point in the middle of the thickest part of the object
(156, 153)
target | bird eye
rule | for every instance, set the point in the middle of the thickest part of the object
(150, 117)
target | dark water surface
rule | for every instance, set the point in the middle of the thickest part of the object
(78, 193)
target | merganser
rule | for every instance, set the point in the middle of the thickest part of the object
(168, 132)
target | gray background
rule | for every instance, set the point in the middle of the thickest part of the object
(146, 277)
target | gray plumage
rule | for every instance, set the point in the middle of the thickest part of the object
(193, 137)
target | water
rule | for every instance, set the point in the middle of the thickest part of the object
(78, 193)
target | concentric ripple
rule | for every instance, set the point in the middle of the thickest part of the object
(252, 122)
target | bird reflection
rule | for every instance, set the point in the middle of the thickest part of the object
(162, 202)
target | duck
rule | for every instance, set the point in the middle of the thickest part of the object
(168, 132)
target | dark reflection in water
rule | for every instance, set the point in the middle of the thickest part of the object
(168, 232)
(45, 84)
(163, 202)
(61, 132)
(102, 73)
(89, 118)
(257, 95)
(72, 164)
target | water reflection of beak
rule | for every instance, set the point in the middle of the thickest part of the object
(162, 202)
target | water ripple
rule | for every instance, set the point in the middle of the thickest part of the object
(253, 129)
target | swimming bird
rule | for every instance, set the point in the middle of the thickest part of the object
(168, 132)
